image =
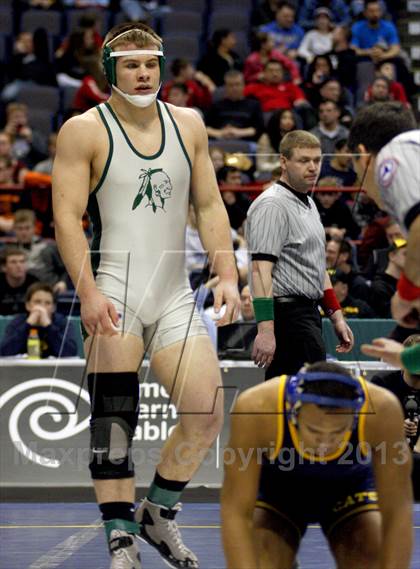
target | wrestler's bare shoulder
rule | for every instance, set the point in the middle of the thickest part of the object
(86, 129)
(189, 122)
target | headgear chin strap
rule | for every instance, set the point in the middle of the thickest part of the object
(296, 395)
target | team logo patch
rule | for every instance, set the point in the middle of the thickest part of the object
(387, 170)
(156, 187)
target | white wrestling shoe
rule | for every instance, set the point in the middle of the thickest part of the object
(159, 529)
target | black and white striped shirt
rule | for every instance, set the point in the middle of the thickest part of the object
(284, 227)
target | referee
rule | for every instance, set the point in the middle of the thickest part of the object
(286, 241)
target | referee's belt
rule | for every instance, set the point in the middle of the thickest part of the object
(300, 300)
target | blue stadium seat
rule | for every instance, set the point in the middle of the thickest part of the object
(50, 20)
(190, 5)
(40, 97)
(181, 45)
(41, 120)
(6, 21)
(186, 22)
(236, 20)
(73, 16)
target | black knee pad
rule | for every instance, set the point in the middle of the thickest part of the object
(115, 409)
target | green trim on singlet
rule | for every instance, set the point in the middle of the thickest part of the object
(95, 217)
(136, 152)
(181, 142)
(110, 152)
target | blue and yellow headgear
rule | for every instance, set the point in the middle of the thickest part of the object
(296, 394)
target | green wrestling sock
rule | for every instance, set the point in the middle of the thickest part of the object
(165, 492)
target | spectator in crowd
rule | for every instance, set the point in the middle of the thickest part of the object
(6, 170)
(30, 63)
(344, 57)
(71, 61)
(14, 281)
(235, 116)
(384, 285)
(236, 203)
(199, 86)
(57, 335)
(197, 258)
(286, 33)
(275, 92)
(318, 70)
(334, 213)
(351, 307)
(318, 41)
(378, 258)
(220, 57)
(19, 170)
(388, 69)
(264, 51)
(405, 386)
(28, 145)
(45, 166)
(264, 12)
(339, 256)
(382, 89)
(87, 21)
(340, 165)
(340, 13)
(42, 256)
(280, 123)
(178, 95)
(94, 87)
(329, 130)
(217, 157)
(375, 37)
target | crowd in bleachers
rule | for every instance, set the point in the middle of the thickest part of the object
(254, 70)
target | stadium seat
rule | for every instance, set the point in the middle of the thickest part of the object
(190, 5)
(236, 20)
(40, 97)
(41, 120)
(185, 22)
(6, 21)
(73, 16)
(232, 4)
(180, 45)
(48, 19)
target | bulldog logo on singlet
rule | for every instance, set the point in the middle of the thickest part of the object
(156, 187)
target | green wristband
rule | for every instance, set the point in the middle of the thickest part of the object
(410, 358)
(263, 308)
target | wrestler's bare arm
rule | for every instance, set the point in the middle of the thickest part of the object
(77, 144)
(212, 219)
(392, 468)
(248, 436)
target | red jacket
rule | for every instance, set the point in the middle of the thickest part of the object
(273, 97)
(254, 66)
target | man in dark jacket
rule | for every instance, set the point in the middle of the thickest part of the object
(56, 335)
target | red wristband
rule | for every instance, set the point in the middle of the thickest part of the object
(329, 302)
(406, 289)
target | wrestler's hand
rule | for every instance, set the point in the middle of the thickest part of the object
(99, 315)
(226, 292)
(343, 332)
(386, 349)
(264, 344)
(405, 312)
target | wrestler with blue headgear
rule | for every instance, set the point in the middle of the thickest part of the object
(321, 446)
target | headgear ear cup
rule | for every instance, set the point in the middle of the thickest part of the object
(109, 65)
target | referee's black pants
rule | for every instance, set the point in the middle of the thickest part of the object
(298, 332)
